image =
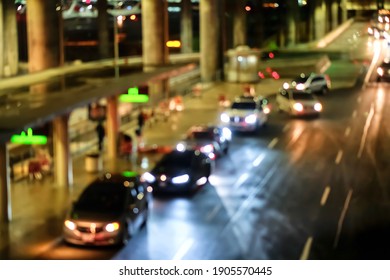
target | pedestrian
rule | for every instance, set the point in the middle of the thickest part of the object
(141, 122)
(100, 133)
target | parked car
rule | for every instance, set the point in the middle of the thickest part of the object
(247, 113)
(298, 103)
(108, 212)
(313, 82)
(179, 172)
(213, 140)
(383, 71)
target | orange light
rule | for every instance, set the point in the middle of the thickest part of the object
(133, 17)
(174, 44)
(248, 8)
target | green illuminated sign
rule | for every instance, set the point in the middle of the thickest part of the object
(129, 173)
(133, 96)
(29, 139)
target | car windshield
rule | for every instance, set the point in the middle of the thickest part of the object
(300, 79)
(102, 197)
(200, 135)
(244, 105)
(177, 159)
(302, 96)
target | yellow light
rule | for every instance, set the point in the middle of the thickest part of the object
(112, 227)
(133, 17)
(174, 44)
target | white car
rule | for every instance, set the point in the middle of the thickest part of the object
(298, 103)
(314, 83)
(246, 113)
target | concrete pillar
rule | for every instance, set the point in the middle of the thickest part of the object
(112, 126)
(334, 14)
(11, 54)
(208, 40)
(344, 11)
(292, 20)
(154, 33)
(5, 190)
(319, 20)
(239, 23)
(103, 29)
(62, 159)
(186, 26)
(43, 35)
(1, 40)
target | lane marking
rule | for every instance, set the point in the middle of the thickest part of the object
(354, 114)
(325, 195)
(286, 127)
(259, 159)
(339, 156)
(306, 249)
(272, 144)
(365, 131)
(183, 250)
(342, 217)
(347, 131)
(377, 52)
(241, 180)
(213, 213)
(359, 99)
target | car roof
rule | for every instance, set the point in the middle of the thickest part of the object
(115, 178)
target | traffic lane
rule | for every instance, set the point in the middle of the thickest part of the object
(367, 221)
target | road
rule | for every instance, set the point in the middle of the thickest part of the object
(312, 188)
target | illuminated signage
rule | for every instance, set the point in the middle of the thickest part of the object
(136, 95)
(29, 138)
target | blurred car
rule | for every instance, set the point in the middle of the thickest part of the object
(298, 103)
(179, 172)
(108, 212)
(383, 71)
(314, 83)
(212, 140)
(247, 113)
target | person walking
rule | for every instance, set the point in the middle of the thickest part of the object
(141, 122)
(100, 133)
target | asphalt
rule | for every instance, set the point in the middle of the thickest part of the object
(39, 205)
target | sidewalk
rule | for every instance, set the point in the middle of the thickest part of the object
(39, 206)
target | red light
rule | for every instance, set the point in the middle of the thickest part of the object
(261, 75)
(88, 1)
(247, 8)
(275, 75)
(271, 55)
(268, 69)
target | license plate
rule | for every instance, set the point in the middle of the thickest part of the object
(88, 238)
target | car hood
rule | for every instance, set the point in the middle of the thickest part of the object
(305, 102)
(92, 216)
(239, 113)
(197, 143)
(170, 171)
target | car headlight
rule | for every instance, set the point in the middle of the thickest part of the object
(207, 149)
(111, 227)
(181, 147)
(148, 177)
(286, 85)
(70, 225)
(298, 107)
(380, 71)
(251, 119)
(318, 107)
(225, 118)
(300, 87)
(227, 133)
(180, 179)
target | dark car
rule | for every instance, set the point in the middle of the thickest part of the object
(383, 71)
(180, 172)
(108, 212)
(211, 140)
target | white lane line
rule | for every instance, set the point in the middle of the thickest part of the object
(258, 160)
(377, 52)
(272, 144)
(325, 195)
(342, 217)
(183, 249)
(347, 131)
(286, 127)
(339, 156)
(354, 114)
(241, 180)
(306, 249)
(213, 213)
(365, 131)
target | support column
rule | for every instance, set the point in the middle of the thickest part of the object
(239, 24)
(102, 21)
(43, 35)
(112, 126)
(292, 20)
(5, 190)
(186, 26)
(344, 11)
(1, 40)
(209, 25)
(334, 13)
(62, 159)
(319, 19)
(11, 54)
(154, 33)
